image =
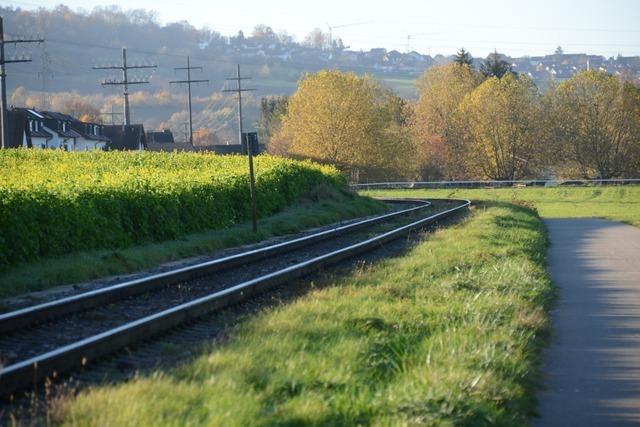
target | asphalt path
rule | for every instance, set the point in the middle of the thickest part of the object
(592, 367)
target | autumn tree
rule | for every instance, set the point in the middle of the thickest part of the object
(349, 121)
(495, 66)
(205, 137)
(83, 110)
(598, 117)
(436, 122)
(503, 128)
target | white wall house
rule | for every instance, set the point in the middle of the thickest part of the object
(91, 136)
(59, 125)
(39, 136)
(51, 130)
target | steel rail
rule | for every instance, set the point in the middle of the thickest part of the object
(22, 375)
(11, 321)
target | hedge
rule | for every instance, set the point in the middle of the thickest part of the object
(55, 202)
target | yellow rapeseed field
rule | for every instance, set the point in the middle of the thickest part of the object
(56, 202)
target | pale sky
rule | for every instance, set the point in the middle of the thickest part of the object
(605, 27)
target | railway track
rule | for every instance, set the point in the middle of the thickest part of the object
(59, 336)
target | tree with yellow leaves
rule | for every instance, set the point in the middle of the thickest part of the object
(598, 124)
(349, 121)
(505, 128)
(437, 121)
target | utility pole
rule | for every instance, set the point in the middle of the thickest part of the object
(188, 82)
(125, 82)
(3, 74)
(252, 179)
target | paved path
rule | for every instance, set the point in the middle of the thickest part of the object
(592, 368)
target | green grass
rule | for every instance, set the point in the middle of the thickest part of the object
(448, 333)
(317, 209)
(620, 203)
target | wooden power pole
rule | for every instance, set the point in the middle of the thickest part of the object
(252, 179)
(188, 83)
(125, 82)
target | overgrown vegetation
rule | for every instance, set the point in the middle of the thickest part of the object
(447, 334)
(53, 202)
(620, 203)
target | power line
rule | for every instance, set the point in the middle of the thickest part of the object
(188, 82)
(3, 74)
(125, 82)
(252, 179)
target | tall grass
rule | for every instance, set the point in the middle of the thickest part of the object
(446, 334)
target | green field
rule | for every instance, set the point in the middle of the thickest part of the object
(619, 203)
(448, 333)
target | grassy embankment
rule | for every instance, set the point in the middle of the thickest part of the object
(448, 333)
(70, 217)
(620, 203)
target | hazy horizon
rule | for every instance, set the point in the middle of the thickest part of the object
(592, 27)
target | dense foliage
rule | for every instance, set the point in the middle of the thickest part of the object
(467, 126)
(598, 124)
(350, 121)
(504, 129)
(54, 202)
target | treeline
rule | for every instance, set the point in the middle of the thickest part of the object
(465, 124)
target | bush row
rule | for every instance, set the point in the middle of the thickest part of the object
(54, 202)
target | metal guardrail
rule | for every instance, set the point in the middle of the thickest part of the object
(493, 184)
(26, 373)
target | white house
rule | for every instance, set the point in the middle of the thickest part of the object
(59, 125)
(92, 136)
(37, 135)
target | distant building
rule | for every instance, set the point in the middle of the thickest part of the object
(18, 124)
(59, 125)
(36, 134)
(165, 136)
(92, 136)
(30, 128)
(126, 137)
